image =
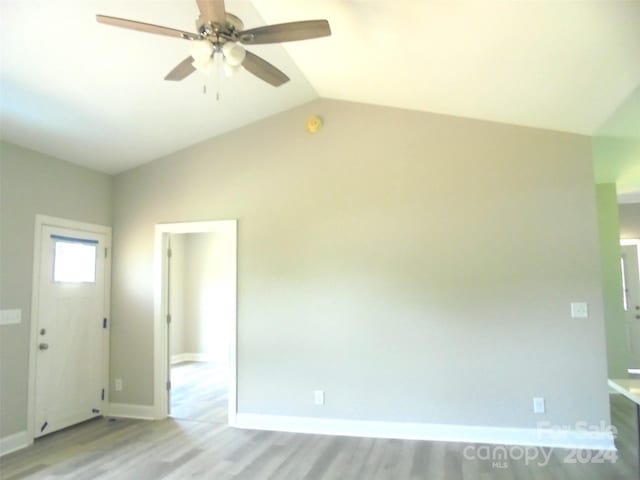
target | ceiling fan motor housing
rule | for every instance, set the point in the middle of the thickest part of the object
(228, 31)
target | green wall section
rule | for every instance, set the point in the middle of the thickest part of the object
(616, 165)
(609, 226)
(617, 160)
(616, 147)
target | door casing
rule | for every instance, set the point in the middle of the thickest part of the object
(160, 330)
(631, 316)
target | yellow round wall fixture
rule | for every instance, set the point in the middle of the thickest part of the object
(314, 123)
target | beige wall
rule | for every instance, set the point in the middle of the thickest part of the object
(208, 276)
(30, 184)
(202, 297)
(629, 220)
(416, 267)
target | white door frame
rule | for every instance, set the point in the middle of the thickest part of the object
(160, 329)
(48, 221)
(628, 242)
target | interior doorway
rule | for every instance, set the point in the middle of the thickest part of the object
(200, 302)
(196, 321)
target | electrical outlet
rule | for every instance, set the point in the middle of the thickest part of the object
(538, 405)
(319, 397)
(118, 384)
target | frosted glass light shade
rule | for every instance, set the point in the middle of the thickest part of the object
(230, 70)
(204, 67)
(201, 51)
(233, 53)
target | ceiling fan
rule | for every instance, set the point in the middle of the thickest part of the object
(222, 33)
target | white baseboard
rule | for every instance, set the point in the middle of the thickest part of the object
(633, 197)
(127, 410)
(14, 442)
(191, 357)
(434, 432)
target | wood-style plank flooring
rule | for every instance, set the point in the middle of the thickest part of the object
(206, 448)
(199, 392)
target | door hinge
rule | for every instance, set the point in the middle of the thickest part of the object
(168, 384)
(169, 318)
(105, 252)
(104, 323)
(102, 396)
(169, 253)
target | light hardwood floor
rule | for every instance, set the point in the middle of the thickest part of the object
(199, 392)
(206, 448)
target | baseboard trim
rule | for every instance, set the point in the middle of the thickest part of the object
(434, 432)
(632, 197)
(127, 410)
(191, 357)
(14, 442)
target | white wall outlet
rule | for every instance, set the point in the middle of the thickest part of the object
(319, 397)
(579, 310)
(538, 404)
(118, 384)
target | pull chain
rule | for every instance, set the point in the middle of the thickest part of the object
(218, 68)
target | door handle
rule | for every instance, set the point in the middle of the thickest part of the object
(43, 346)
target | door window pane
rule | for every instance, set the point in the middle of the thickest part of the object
(74, 261)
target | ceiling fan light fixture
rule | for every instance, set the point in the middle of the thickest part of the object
(205, 67)
(233, 53)
(201, 51)
(230, 70)
(219, 32)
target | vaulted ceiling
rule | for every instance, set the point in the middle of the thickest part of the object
(95, 95)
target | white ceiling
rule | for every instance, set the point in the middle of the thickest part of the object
(95, 95)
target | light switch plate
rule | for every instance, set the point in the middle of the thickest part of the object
(579, 310)
(10, 317)
(538, 404)
(319, 397)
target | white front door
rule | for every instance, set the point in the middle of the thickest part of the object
(71, 330)
(631, 276)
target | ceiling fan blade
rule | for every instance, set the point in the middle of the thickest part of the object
(182, 70)
(146, 27)
(264, 70)
(213, 11)
(286, 32)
